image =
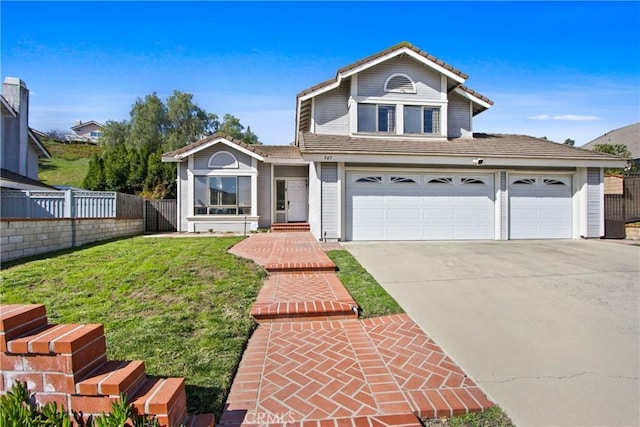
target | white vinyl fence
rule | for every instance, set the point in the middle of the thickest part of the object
(69, 204)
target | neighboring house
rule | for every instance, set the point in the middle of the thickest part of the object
(386, 151)
(20, 147)
(628, 135)
(89, 131)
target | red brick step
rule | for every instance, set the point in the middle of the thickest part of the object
(17, 320)
(113, 378)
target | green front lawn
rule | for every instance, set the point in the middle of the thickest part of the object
(371, 297)
(181, 305)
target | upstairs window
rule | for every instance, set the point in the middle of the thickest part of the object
(419, 119)
(399, 83)
(376, 118)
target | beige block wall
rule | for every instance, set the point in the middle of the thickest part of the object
(26, 237)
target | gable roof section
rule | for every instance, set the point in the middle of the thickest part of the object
(483, 145)
(628, 135)
(303, 99)
(259, 152)
(35, 142)
(90, 122)
(376, 58)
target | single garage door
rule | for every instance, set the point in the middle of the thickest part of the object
(398, 206)
(540, 207)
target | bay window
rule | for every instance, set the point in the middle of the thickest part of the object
(222, 195)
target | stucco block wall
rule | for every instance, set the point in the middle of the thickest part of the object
(26, 237)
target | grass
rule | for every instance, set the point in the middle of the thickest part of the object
(68, 165)
(181, 305)
(373, 299)
(492, 417)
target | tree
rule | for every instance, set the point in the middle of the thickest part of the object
(620, 150)
(570, 142)
(132, 158)
(232, 127)
(94, 180)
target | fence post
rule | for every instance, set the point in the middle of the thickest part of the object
(29, 202)
(69, 204)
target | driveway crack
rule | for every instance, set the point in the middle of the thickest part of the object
(560, 377)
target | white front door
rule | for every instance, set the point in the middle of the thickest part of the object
(296, 200)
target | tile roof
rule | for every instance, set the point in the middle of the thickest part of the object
(281, 151)
(476, 94)
(628, 135)
(276, 151)
(486, 145)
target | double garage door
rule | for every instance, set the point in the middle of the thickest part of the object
(450, 206)
(395, 206)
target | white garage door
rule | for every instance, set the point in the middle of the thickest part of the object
(540, 207)
(396, 206)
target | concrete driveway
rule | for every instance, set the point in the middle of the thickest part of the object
(549, 329)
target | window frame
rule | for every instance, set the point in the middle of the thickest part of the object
(242, 205)
(436, 125)
(392, 124)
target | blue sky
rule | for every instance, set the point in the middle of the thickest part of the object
(560, 70)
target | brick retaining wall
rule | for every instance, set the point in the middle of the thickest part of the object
(22, 237)
(633, 231)
(67, 364)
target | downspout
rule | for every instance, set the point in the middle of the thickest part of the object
(322, 236)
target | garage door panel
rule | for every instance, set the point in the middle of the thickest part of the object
(403, 214)
(540, 207)
(423, 210)
(401, 232)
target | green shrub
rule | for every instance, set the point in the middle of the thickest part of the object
(18, 408)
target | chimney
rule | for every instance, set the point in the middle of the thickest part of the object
(16, 93)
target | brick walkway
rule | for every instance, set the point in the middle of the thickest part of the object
(288, 252)
(301, 369)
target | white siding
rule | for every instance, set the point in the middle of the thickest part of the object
(264, 194)
(459, 119)
(314, 200)
(594, 199)
(32, 163)
(291, 171)
(184, 197)
(331, 112)
(201, 159)
(330, 201)
(427, 80)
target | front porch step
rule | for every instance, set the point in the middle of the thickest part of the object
(290, 227)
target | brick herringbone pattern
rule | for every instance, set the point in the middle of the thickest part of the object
(330, 372)
(296, 251)
(433, 384)
(310, 296)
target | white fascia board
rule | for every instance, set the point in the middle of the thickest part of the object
(321, 90)
(219, 141)
(8, 107)
(40, 147)
(472, 98)
(170, 159)
(489, 162)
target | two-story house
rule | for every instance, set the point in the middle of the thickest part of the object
(385, 150)
(20, 148)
